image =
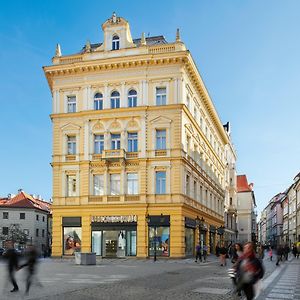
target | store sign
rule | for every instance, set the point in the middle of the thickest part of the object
(114, 219)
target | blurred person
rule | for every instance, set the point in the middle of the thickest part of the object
(249, 270)
(286, 251)
(12, 263)
(237, 252)
(31, 255)
(198, 253)
(205, 249)
(261, 252)
(279, 253)
(223, 253)
(294, 250)
(270, 253)
(298, 250)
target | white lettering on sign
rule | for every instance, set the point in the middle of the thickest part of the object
(114, 219)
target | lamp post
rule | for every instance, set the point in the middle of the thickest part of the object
(200, 223)
(221, 231)
(161, 220)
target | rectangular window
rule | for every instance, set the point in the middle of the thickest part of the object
(71, 141)
(37, 217)
(43, 218)
(160, 182)
(160, 139)
(71, 185)
(22, 216)
(161, 96)
(115, 141)
(115, 183)
(5, 215)
(71, 104)
(187, 185)
(132, 142)
(98, 185)
(5, 230)
(195, 190)
(37, 232)
(43, 232)
(132, 184)
(98, 143)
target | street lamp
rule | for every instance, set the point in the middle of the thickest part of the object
(200, 223)
(161, 220)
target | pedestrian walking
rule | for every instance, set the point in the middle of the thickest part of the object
(298, 250)
(237, 252)
(223, 253)
(279, 252)
(270, 253)
(12, 264)
(249, 270)
(286, 251)
(205, 249)
(32, 255)
(294, 250)
(198, 253)
(261, 252)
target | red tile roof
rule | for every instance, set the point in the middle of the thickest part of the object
(242, 184)
(24, 200)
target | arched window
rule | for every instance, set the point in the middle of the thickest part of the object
(98, 101)
(132, 98)
(115, 100)
(115, 43)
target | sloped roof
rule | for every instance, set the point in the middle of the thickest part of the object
(242, 184)
(150, 41)
(24, 200)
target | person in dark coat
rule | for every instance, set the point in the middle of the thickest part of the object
(280, 252)
(12, 263)
(32, 256)
(198, 253)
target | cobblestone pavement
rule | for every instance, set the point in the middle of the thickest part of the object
(128, 279)
(286, 285)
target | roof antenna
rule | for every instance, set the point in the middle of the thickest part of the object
(148, 34)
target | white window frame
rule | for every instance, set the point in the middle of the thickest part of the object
(98, 190)
(114, 100)
(132, 184)
(132, 99)
(160, 184)
(115, 143)
(115, 42)
(71, 103)
(71, 144)
(162, 140)
(71, 192)
(98, 101)
(114, 184)
(98, 141)
(160, 97)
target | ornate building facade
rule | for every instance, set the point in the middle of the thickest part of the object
(138, 149)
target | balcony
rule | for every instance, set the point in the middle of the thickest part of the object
(112, 155)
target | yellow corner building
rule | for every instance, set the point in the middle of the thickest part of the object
(138, 149)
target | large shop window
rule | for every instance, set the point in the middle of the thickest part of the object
(189, 241)
(72, 235)
(159, 240)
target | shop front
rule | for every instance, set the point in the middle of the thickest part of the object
(71, 235)
(212, 239)
(159, 235)
(190, 226)
(114, 236)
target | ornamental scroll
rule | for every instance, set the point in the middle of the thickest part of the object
(114, 219)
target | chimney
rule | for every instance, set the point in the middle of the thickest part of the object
(9, 196)
(20, 191)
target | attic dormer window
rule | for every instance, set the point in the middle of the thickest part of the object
(115, 43)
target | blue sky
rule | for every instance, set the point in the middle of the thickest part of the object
(247, 53)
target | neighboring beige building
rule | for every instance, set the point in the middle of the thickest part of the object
(138, 149)
(262, 228)
(230, 212)
(245, 210)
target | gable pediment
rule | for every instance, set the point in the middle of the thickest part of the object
(70, 127)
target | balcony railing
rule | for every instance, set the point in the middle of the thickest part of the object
(70, 157)
(113, 154)
(160, 152)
